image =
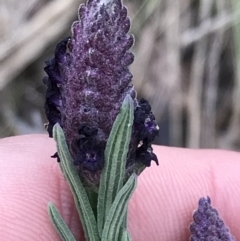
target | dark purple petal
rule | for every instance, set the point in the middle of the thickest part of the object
(53, 102)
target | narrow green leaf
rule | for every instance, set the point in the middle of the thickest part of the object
(80, 196)
(117, 212)
(115, 160)
(124, 223)
(59, 224)
(125, 236)
(93, 198)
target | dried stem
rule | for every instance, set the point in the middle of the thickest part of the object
(209, 132)
(196, 84)
(173, 70)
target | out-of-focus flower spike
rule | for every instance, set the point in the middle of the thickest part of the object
(207, 225)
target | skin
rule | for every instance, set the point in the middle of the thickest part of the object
(160, 208)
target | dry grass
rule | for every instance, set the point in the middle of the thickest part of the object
(187, 64)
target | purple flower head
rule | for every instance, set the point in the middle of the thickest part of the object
(207, 225)
(87, 81)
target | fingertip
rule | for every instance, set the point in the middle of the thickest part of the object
(161, 207)
(31, 179)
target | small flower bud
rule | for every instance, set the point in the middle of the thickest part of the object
(207, 225)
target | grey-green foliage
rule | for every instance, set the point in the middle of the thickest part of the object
(115, 160)
(113, 195)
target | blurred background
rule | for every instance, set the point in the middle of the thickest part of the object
(187, 64)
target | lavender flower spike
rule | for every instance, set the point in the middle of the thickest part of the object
(87, 81)
(207, 225)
